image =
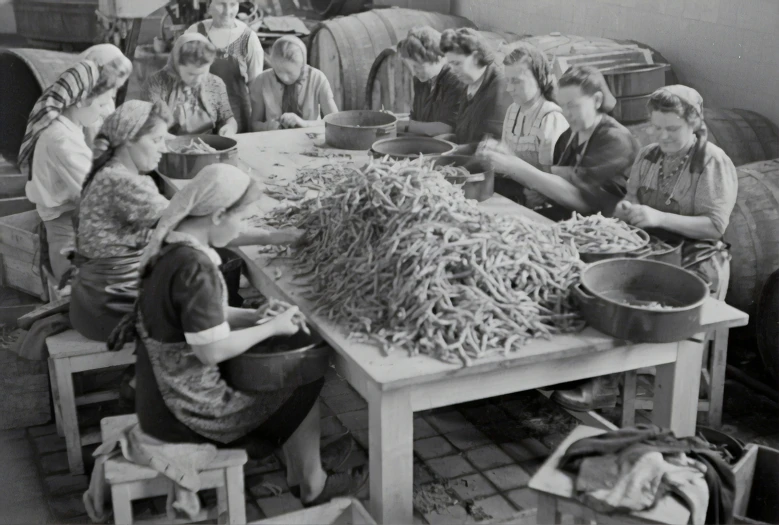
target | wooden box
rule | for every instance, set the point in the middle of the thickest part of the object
(130, 8)
(757, 486)
(340, 511)
(25, 386)
(21, 253)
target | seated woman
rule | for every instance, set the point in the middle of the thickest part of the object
(437, 91)
(483, 104)
(534, 122)
(682, 186)
(596, 153)
(291, 94)
(197, 99)
(55, 155)
(184, 329)
(240, 56)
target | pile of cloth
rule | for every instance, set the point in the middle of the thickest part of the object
(631, 469)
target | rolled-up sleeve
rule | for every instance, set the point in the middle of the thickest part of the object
(717, 190)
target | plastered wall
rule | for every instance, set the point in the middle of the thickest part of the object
(727, 49)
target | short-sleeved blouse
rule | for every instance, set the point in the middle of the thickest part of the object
(711, 193)
(117, 213)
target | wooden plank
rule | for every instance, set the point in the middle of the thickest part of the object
(12, 185)
(23, 276)
(67, 405)
(744, 473)
(43, 311)
(20, 231)
(629, 383)
(676, 386)
(96, 397)
(14, 205)
(718, 362)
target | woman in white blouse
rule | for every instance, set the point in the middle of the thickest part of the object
(55, 154)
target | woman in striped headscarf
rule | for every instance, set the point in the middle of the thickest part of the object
(54, 153)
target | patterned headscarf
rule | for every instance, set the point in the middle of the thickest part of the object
(215, 187)
(72, 87)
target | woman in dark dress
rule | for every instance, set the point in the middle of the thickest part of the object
(595, 154)
(185, 328)
(437, 91)
(484, 102)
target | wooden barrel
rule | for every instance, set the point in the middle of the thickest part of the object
(767, 325)
(391, 84)
(331, 8)
(744, 135)
(344, 48)
(26, 73)
(753, 233)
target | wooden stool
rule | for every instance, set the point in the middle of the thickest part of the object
(712, 379)
(131, 482)
(69, 353)
(555, 490)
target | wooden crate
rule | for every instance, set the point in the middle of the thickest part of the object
(757, 485)
(340, 511)
(21, 253)
(25, 387)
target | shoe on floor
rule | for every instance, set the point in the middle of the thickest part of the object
(333, 455)
(341, 484)
(600, 392)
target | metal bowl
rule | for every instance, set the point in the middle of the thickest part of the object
(187, 165)
(589, 257)
(480, 185)
(358, 129)
(264, 368)
(615, 297)
(412, 147)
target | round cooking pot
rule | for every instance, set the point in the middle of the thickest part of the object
(480, 185)
(358, 129)
(595, 257)
(263, 368)
(606, 286)
(412, 147)
(187, 165)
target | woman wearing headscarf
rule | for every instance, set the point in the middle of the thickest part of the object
(437, 91)
(239, 57)
(595, 154)
(184, 329)
(682, 187)
(291, 94)
(55, 155)
(484, 101)
(534, 122)
(197, 99)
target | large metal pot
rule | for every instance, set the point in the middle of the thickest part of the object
(412, 147)
(264, 368)
(607, 286)
(480, 185)
(187, 165)
(630, 80)
(357, 129)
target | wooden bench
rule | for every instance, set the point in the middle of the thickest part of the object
(131, 482)
(555, 490)
(71, 353)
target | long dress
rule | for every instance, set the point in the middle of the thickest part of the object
(531, 131)
(711, 193)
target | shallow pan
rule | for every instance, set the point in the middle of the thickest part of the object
(357, 129)
(615, 297)
(412, 147)
(187, 165)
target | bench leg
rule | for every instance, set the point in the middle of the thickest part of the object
(234, 493)
(122, 504)
(629, 381)
(55, 399)
(547, 510)
(718, 364)
(67, 403)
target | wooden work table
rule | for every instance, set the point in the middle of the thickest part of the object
(396, 386)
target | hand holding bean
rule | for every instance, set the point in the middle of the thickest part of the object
(290, 120)
(644, 216)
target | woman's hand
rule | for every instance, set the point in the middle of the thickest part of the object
(494, 146)
(229, 129)
(643, 216)
(284, 323)
(501, 163)
(291, 120)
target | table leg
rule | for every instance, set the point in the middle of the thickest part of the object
(630, 378)
(391, 440)
(547, 509)
(67, 399)
(719, 363)
(676, 389)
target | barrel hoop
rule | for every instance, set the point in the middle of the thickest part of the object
(374, 72)
(374, 37)
(766, 131)
(346, 58)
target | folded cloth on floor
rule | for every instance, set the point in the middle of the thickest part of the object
(179, 462)
(630, 469)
